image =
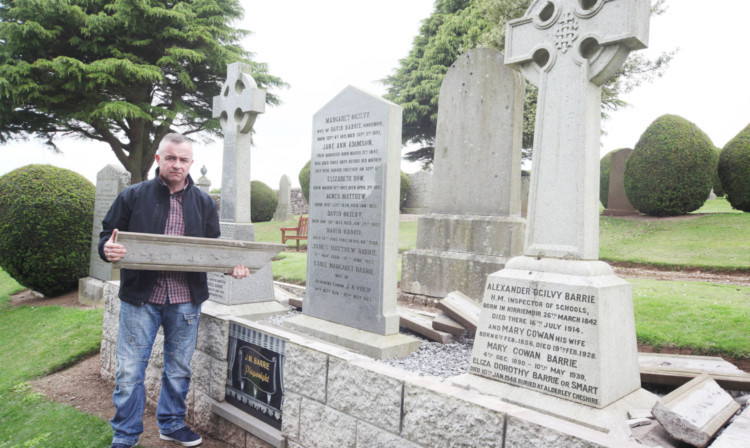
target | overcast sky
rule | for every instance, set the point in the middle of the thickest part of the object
(321, 47)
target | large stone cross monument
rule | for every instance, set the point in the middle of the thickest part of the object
(237, 107)
(568, 48)
(557, 320)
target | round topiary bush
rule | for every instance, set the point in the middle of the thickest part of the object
(304, 181)
(604, 164)
(670, 171)
(46, 220)
(734, 170)
(263, 202)
(718, 189)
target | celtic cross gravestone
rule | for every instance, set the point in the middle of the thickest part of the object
(557, 320)
(237, 107)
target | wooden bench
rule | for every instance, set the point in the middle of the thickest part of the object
(300, 232)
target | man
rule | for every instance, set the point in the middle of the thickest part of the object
(169, 204)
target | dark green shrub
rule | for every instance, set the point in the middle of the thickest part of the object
(46, 220)
(403, 190)
(718, 189)
(304, 181)
(670, 171)
(263, 201)
(734, 170)
(604, 165)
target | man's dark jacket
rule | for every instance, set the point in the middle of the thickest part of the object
(144, 208)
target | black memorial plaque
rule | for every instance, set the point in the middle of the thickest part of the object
(255, 373)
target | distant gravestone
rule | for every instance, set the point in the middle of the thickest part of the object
(237, 107)
(203, 182)
(617, 201)
(420, 193)
(556, 320)
(110, 181)
(474, 225)
(284, 207)
(353, 227)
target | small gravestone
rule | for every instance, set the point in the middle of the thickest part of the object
(617, 201)
(110, 181)
(557, 320)
(352, 243)
(203, 182)
(420, 193)
(237, 107)
(284, 207)
(474, 225)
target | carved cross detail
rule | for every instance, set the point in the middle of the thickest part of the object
(236, 107)
(568, 48)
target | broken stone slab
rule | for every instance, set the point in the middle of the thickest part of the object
(422, 325)
(737, 433)
(295, 302)
(461, 308)
(636, 422)
(153, 252)
(442, 322)
(696, 411)
(662, 368)
(640, 413)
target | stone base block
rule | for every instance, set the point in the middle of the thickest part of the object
(249, 311)
(434, 273)
(498, 236)
(91, 291)
(371, 344)
(250, 424)
(611, 419)
(258, 287)
(562, 327)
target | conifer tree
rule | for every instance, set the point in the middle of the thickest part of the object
(122, 72)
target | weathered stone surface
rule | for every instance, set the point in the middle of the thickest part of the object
(420, 193)
(202, 417)
(323, 427)
(284, 206)
(441, 421)
(736, 434)
(423, 325)
(617, 201)
(365, 393)
(695, 411)
(521, 433)
(209, 375)
(213, 334)
(306, 372)
(353, 233)
(154, 252)
(232, 434)
(290, 415)
(111, 297)
(110, 325)
(369, 436)
(91, 291)
(110, 181)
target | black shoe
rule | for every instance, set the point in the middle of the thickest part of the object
(184, 436)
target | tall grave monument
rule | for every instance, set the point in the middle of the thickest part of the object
(237, 107)
(618, 203)
(110, 181)
(557, 320)
(353, 226)
(474, 225)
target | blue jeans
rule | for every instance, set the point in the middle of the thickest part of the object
(135, 339)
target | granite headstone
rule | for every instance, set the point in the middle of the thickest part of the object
(284, 206)
(617, 201)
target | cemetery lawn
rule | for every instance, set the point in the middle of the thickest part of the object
(712, 242)
(37, 341)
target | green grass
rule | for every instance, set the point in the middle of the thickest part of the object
(711, 242)
(37, 341)
(718, 205)
(706, 317)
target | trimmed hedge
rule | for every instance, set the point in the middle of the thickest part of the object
(734, 170)
(670, 171)
(46, 220)
(263, 202)
(604, 164)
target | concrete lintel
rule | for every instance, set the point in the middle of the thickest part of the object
(371, 344)
(184, 253)
(263, 431)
